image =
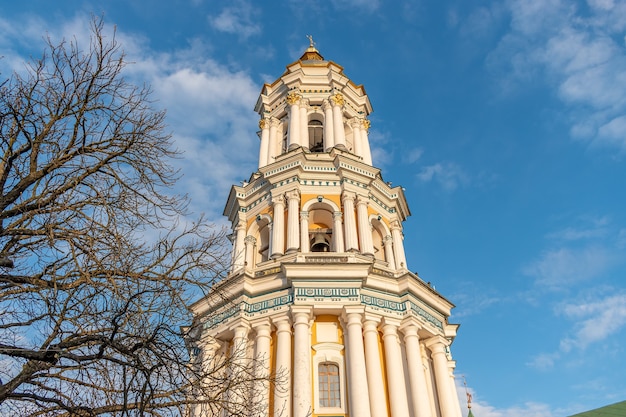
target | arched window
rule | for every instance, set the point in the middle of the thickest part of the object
(316, 136)
(329, 387)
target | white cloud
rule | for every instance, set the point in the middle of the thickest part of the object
(565, 267)
(595, 320)
(240, 18)
(575, 51)
(591, 228)
(412, 155)
(448, 175)
(368, 6)
(481, 408)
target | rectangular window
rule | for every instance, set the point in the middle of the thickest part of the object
(328, 374)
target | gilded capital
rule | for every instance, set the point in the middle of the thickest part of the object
(263, 123)
(338, 99)
(293, 98)
(366, 124)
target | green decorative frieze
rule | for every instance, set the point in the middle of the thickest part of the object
(327, 292)
(383, 303)
(326, 259)
(269, 304)
(426, 315)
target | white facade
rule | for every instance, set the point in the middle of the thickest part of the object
(319, 289)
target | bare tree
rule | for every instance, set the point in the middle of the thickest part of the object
(105, 261)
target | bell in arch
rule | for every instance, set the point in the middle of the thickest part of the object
(319, 243)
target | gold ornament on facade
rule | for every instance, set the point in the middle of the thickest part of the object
(293, 98)
(366, 124)
(262, 123)
(338, 99)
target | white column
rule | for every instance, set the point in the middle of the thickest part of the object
(329, 139)
(338, 232)
(455, 397)
(239, 246)
(398, 246)
(293, 225)
(367, 152)
(275, 140)
(250, 247)
(355, 124)
(282, 388)
(262, 365)
(239, 389)
(209, 370)
(395, 374)
(365, 230)
(302, 405)
(304, 232)
(389, 256)
(437, 348)
(293, 99)
(278, 229)
(349, 222)
(304, 123)
(378, 402)
(417, 377)
(265, 142)
(338, 131)
(357, 382)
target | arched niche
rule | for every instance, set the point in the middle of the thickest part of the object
(261, 230)
(379, 232)
(320, 213)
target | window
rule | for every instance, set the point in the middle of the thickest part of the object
(329, 387)
(316, 136)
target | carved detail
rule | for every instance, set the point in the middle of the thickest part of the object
(366, 124)
(293, 98)
(338, 99)
(263, 124)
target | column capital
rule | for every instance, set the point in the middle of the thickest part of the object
(437, 344)
(326, 105)
(366, 124)
(361, 199)
(301, 314)
(337, 99)
(355, 122)
(280, 321)
(293, 98)
(240, 325)
(348, 195)
(293, 194)
(304, 214)
(352, 313)
(337, 215)
(277, 199)
(250, 239)
(388, 239)
(273, 122)
(264, 124)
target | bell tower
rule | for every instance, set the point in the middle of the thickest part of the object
(319, 293)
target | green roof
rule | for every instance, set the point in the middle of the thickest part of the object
(613, 410)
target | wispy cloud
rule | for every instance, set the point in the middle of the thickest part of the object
(368, 6)
(595, 320)
(239, 18)
(447, 174)
(579, 51)
(482, 408)
(209, 107)
(563, 267)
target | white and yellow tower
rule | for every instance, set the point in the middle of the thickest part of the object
(319, 292)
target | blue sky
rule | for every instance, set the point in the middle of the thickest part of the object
(504, 120)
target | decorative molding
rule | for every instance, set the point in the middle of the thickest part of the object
(326, 259)
(395, 306)
(425, 315)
